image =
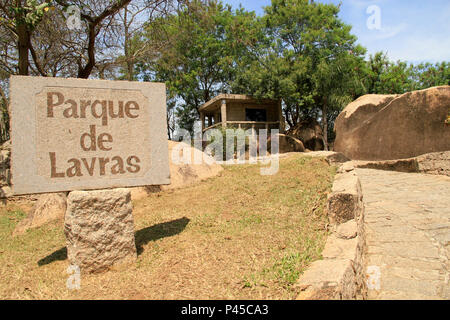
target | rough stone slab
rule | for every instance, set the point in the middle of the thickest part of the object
(437, 163)
(99, 229)
(348, 230)
(330, 156)
(341, 275)
(346, 167)
(328, 280)
(336, 158)
(345, 201)
(77, 134)
(340, 248)
(434, 163)
(49, 207)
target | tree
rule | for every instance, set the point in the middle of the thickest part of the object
(426, 75)
(302, 42)
(21, 18)
(196, 60)
(133, 18)
(4, 112)
(41, 31)
(336, 83)
(386, 77)
(35, 38)
(383, 76)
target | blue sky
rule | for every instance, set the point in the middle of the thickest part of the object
(410, 30)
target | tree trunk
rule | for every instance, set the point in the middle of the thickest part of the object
(23, 42)
(126, 45)
(5, 127)
(168, 128)
(288, 118)
(85, 72)
(130, 70)
(325, 124)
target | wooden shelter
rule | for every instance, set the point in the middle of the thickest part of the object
(243, 112)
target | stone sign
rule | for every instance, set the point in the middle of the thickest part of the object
(76, 134)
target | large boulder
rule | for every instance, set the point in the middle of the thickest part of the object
(310, 133)
(286, 144)
(182, 174)
(387, 127)
(99, 229)
(48, 207)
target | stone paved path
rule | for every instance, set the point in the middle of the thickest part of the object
(408, 233)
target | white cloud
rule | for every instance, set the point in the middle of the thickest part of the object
(390, 32)
(425, 48)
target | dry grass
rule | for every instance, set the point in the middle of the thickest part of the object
(237, 236)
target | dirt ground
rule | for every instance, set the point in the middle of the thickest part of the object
(240, 235)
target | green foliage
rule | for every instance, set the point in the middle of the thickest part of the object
(386, 77)
(197, 58)
(298, 51)
(383, 76)
(426, 75)
(30, 14)
(307, 57)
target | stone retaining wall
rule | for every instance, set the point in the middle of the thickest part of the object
(341, 273)
(431, 163)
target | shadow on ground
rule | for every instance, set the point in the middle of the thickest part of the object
(142, 237)
(58, 255)
(159, 231)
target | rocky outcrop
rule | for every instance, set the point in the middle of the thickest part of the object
(5, 170)
(287, 144)
(182, 174)
(387, 127)
(99, 229)
(434, 163)
(437, 163)
(310, 133)
(49, 207)
(341, 273)
(333, 158)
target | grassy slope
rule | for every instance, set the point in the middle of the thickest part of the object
(237, 236)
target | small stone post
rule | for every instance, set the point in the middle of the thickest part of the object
(202, 119)
(223, 112)
(99, 229)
